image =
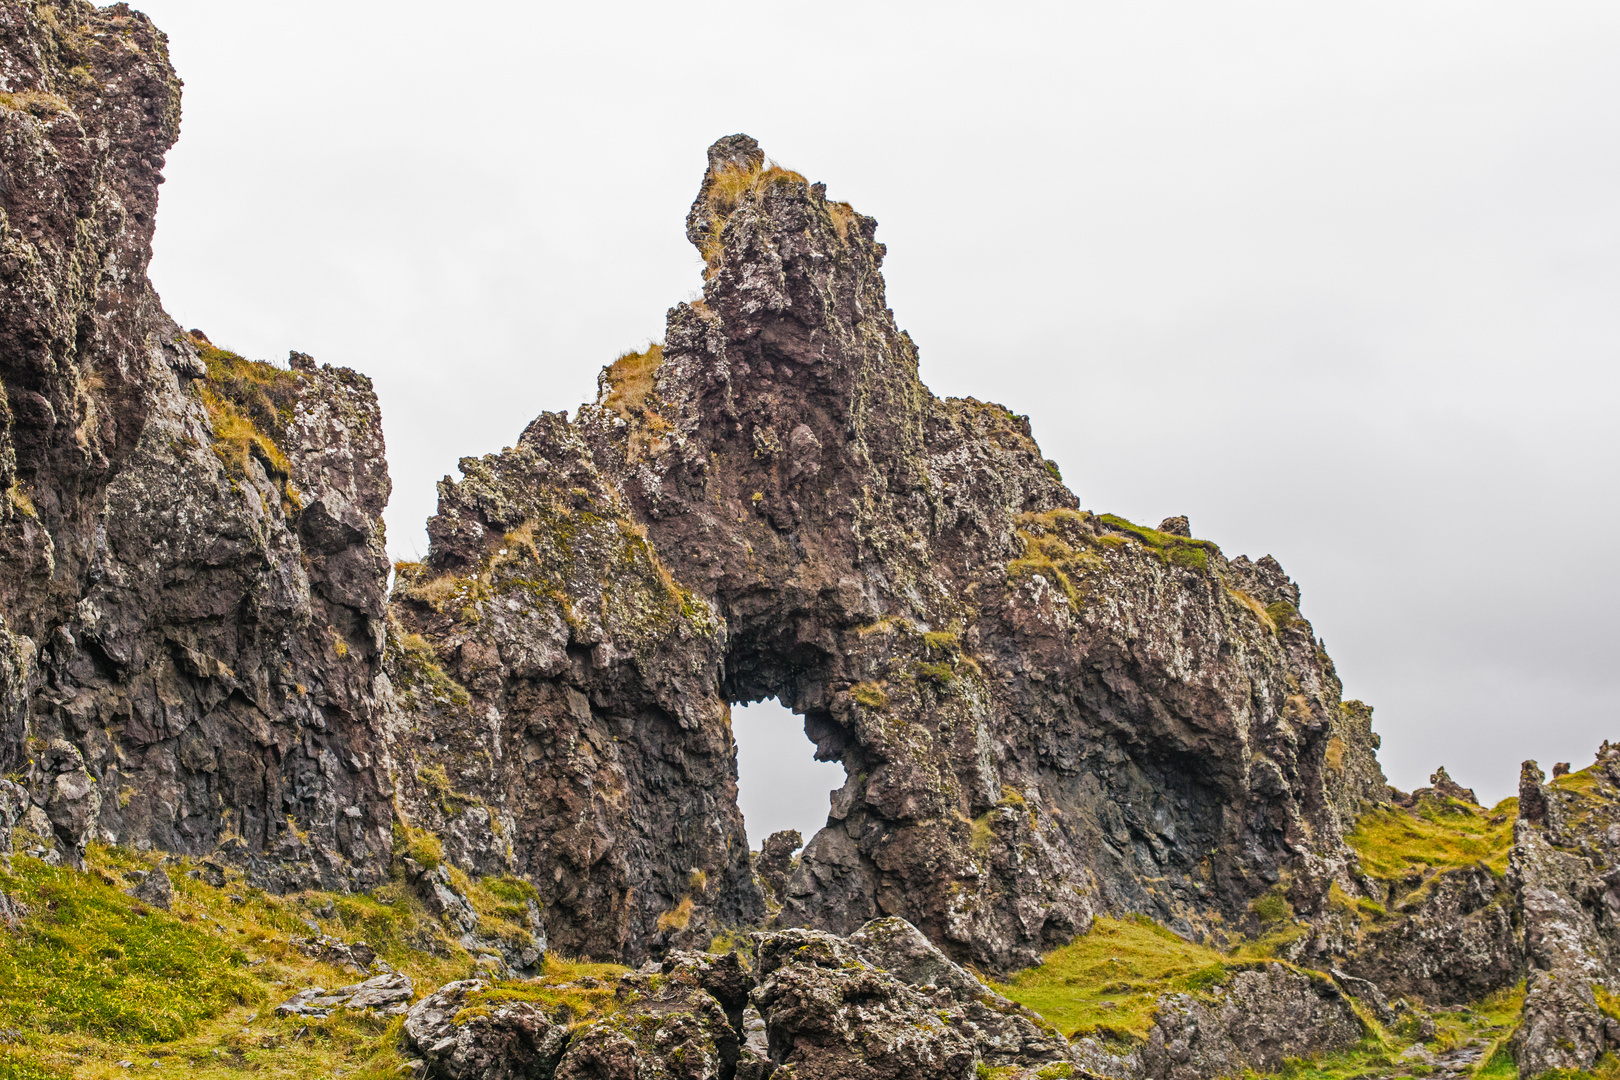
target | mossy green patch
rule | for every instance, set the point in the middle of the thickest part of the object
(1055, 549)
(1108, 982)
(250, 404)
(869, 694)
(1175, 550)
(1498, 1064)
(586, 991)
(1370, 1057)
(1606, 1067)
(1272, 906)
(1438, 834)
(92, 977)
(91, 959)
(419, 676)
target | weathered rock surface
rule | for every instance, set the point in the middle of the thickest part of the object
(192, 593)
(154, 888)
(510, 1040)
(1566, 870)
(1458, 945)
(1042, 711)
(1258, 1020)
(882, 1003)
(384, 995)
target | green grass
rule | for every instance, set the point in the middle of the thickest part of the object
(1368, 1058)
(92, 977)
(1499, 1065)
(92, 960)
(1109, 981)
(558, 987)
(249, 405)
(1438, 835)
(869, 694)
(1049, 541)
(1175, 550)
(1606, 1067)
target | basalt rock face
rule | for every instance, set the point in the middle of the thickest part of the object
(1565, 870)
(192, 587)
(1042, 712)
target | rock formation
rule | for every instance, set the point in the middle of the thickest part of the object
(192, 588)
(1044, 713)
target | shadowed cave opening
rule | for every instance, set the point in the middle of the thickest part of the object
(780, 784)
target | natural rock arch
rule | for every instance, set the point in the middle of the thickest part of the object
(1044, 712)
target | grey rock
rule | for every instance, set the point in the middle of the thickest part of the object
(1457, 945)
(154, 888)
(511, 1040)
(384, 995)
(1043, 712)
(1257, 1020)
(831, 1014)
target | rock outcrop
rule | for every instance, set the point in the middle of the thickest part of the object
(192, 592)
(1566, 871)
(1042, 711)
(881, 1004)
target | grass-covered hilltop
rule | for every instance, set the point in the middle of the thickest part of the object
(1108, 812)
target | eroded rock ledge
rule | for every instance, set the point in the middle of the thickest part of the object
(882, 1004)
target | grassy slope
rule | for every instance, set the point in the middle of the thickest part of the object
(1108, 981)
(1440, 835)
(93, 977)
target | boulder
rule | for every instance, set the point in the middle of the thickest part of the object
(384, 995)
(498, 1040)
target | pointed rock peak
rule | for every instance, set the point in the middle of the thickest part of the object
(730, 158)
(735, 152)
(739, 172)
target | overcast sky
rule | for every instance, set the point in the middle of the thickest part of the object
(1336, 280)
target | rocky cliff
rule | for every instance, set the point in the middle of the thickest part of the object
(192, 587)
(1046, 714)
(1043, 712)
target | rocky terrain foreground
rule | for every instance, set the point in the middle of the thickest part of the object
(1107, 811)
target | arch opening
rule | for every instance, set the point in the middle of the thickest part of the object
(780, 784)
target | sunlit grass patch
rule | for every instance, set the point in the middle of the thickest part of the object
(92, 977)
(1438, 835)
(1108, 982)
(91, 959)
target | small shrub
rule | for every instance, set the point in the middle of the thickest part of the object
(1272, 907)
(629, 381)
(677, 917)
(1283, 614)
(425, 848)
(869, 694)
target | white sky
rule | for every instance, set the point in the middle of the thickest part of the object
(1337, 280)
